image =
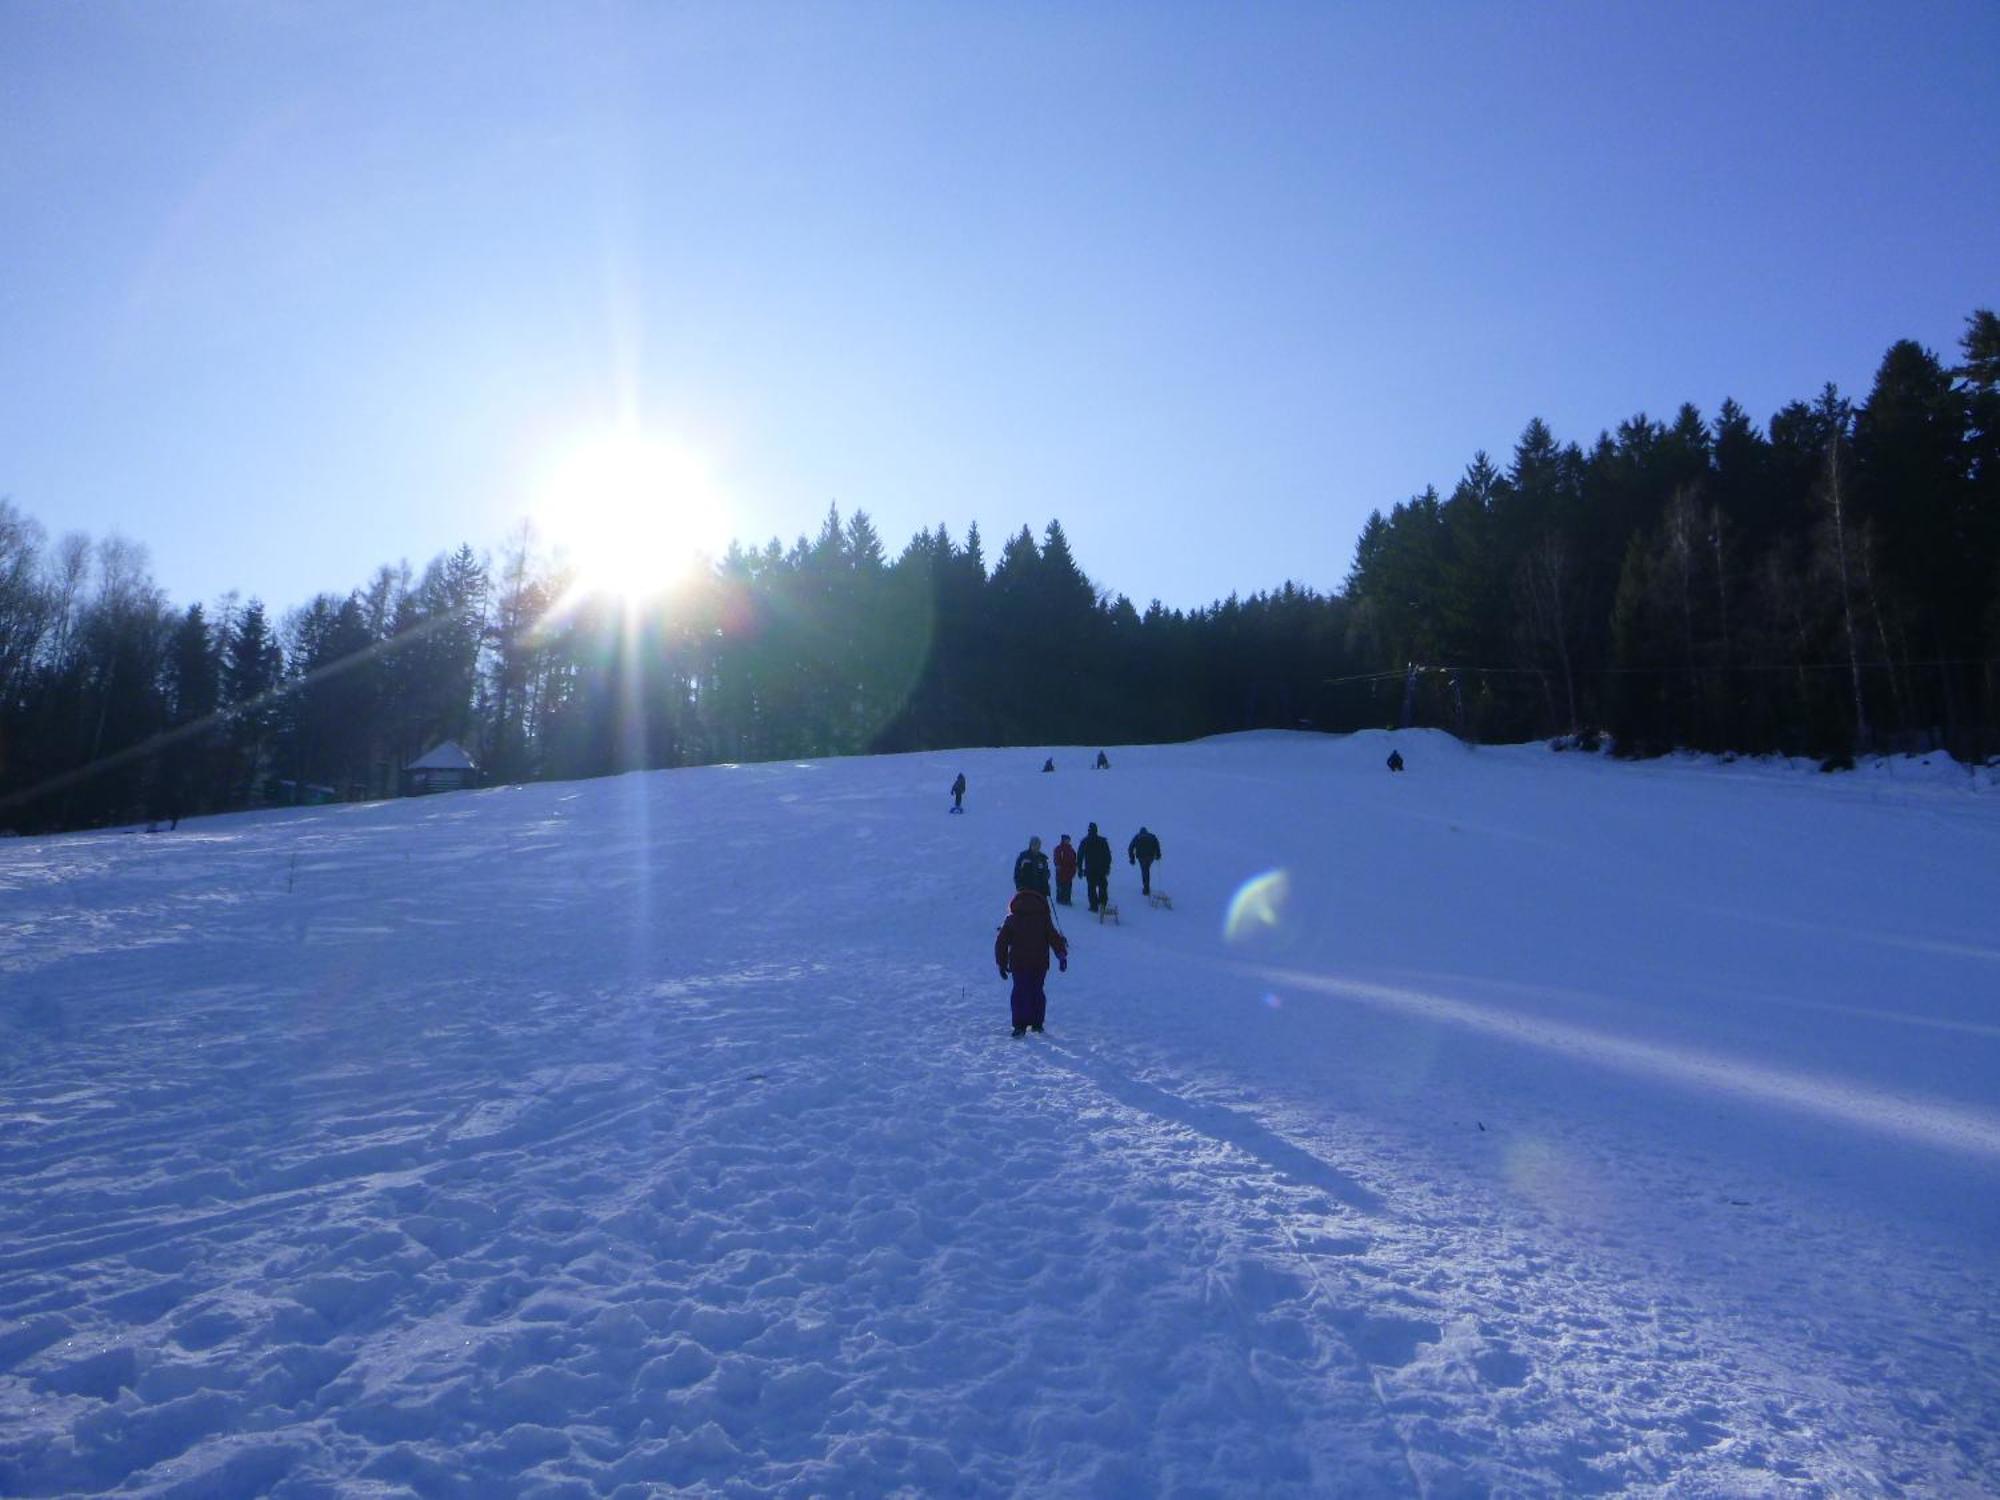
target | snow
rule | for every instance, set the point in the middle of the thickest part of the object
(1527, 1123)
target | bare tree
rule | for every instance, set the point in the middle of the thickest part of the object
(69, 570)
(24, 600)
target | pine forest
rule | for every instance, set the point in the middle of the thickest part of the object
(1826, 585)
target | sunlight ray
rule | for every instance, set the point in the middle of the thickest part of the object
(1909, 1117)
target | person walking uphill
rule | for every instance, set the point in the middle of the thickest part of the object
(1095, 854)
(1021, 948)
(1065, 860)
(1142, 851)
(1031, 868)
(958, 793)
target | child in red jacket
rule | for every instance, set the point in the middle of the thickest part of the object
(1065, 863)
(1021, 949)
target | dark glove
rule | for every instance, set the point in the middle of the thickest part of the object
(1062, 963)
(1003, 972)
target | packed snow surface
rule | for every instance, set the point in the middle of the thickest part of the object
(1523, 1124)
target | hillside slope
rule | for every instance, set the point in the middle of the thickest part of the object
(1524, 1123)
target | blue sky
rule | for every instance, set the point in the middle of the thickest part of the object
(288, 291)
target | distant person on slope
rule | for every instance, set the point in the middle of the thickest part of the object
(1103, 761)
(1049, 764)
(1065, 858)
(1021, 948)
(1142, 851)
(1095, 854)
(1031, 868)
(1395, 760)
(958, 793)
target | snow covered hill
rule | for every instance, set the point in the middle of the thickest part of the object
(1522, 1124)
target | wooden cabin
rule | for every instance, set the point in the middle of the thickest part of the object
(442, 768)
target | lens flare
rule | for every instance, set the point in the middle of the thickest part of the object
(1258, 907)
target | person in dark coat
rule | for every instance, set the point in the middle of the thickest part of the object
(1065, 861)
(1021, 948)
(1395, 760)
(1031, 868)
(1142, 851)
(958, 793)
(1103, 761)
(1049, 764)
(1094, 854)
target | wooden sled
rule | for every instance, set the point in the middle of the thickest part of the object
(1160, 900)
(1108, 913)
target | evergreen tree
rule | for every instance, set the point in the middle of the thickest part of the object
(1912, 491)
(191, 768)
(1978, 377)
(334, 699)
(518, 653)
(252, 666)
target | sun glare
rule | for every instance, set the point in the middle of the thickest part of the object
(631, 514)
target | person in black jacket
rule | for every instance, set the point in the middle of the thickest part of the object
(1031, 868)
(958, 793)
(1094, 855)
(1103, 761)
(1142, 851)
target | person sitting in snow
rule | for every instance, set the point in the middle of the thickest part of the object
(1094, 853)
(1065, 858)
(1395, 760)
(1049, 764)
(1021, 948)
(1142, 851)
(958, 793)
(1031, 868)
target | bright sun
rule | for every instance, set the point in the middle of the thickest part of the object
(631, 514)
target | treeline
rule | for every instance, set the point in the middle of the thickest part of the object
(1826, 587)
(115, 706)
